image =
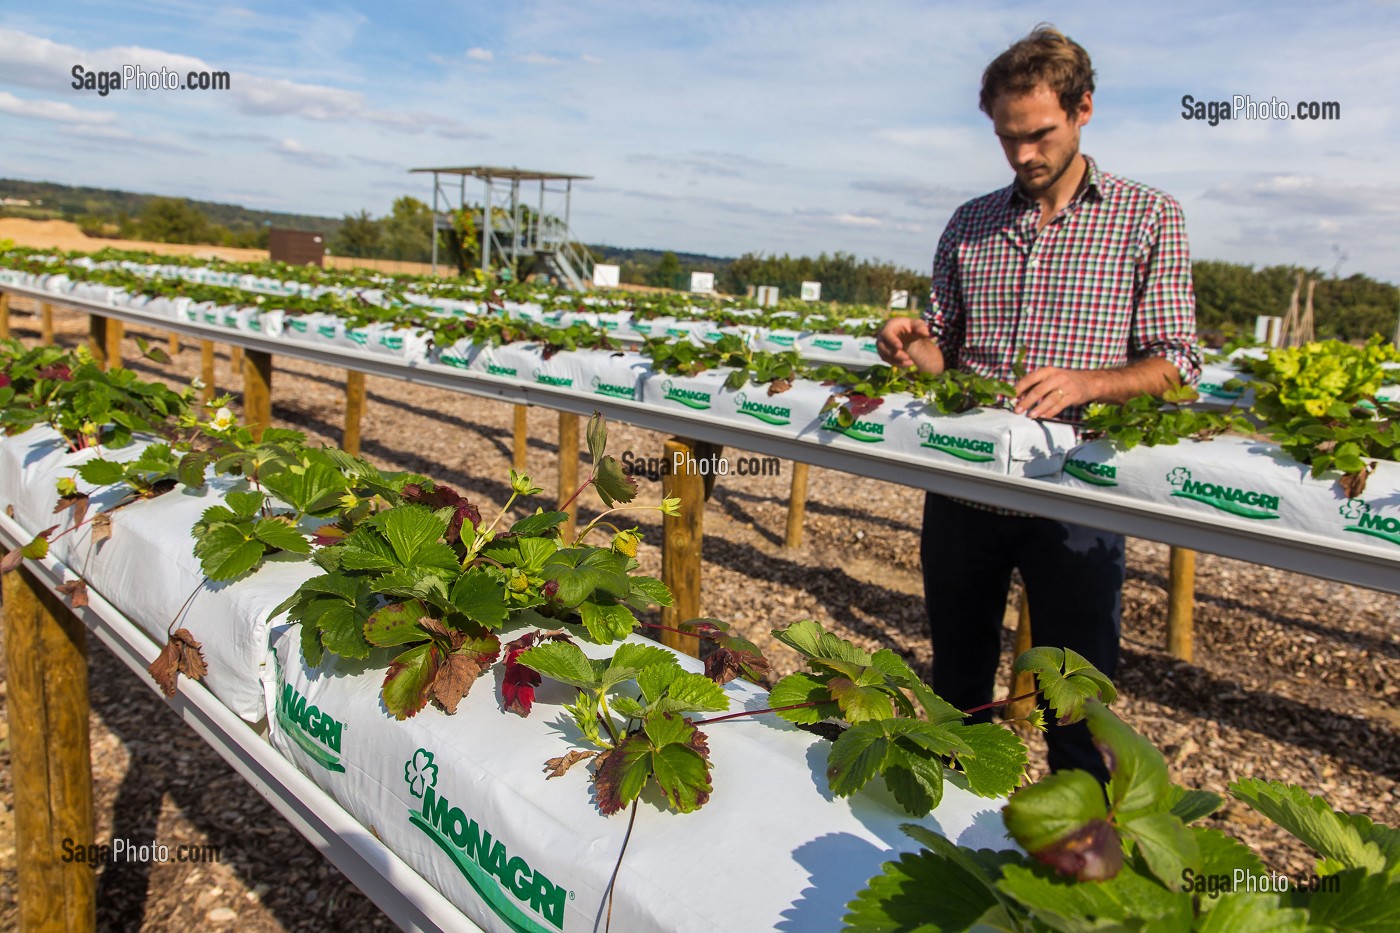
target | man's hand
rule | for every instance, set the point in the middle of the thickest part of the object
(907, 341)
(1050, 390)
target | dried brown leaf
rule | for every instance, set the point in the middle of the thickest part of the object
(12, 559)
(1354, 484)
(101, 527)
(455, 677)
(181, 655)
(76, 591)
(78, 503)
(558, 767)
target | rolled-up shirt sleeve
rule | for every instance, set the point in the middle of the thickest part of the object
(1164, 319)
(945, 312)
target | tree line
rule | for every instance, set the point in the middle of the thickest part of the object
(1229, 296)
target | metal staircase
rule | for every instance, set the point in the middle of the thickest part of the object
(517, 232)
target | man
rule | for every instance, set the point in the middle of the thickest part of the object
(1089, 275)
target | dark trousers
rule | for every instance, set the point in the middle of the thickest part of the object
(1074, 582)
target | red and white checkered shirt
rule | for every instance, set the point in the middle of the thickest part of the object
(1106, 282)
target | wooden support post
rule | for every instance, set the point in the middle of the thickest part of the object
(1181, 597)
(354, 408)
(98, 339)
(706, 451)
(51, 763)
(115, 331)
(206, 370)
(257, 391)
(1022, 683)
(680, 548)
(174, 345)
(568, 469)
(521, 439)
(797, 506)
(4, 315)
(235, 359)
(46, 324)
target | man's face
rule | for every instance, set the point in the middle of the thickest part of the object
(1040, 140)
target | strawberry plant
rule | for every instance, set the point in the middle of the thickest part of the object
(643, 736)
(151, 473)
(1319, 402)
(1151, 421)
(949, 392)
(427, 577)
(1126, 856)
(231, 539)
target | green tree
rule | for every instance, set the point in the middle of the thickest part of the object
(408, 231)
(667, 272)
(360, 236)
(175, 220)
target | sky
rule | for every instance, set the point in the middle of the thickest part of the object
(718, 127)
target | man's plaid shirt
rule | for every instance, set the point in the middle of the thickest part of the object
(1106, 282)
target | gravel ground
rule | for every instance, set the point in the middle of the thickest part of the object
(1295, 678)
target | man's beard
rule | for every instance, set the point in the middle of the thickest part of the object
(1050, 178)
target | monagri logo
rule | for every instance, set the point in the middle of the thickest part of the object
(867, 432)
(770, 414)
(564, 382)
(1366, 522)
(1246, 503)
(316, 732)
(515, 892)
(690, 398)
(612, 391)
(1217, 390)
(964, 448)
(1099, 474)
(782, 340)
(827, 343)
(495, 370)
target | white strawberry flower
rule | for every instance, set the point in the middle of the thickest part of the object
(223, 420)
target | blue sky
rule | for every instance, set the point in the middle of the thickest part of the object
(778, 127)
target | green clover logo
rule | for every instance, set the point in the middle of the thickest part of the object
(1179, 476)
(420, 772)
(1353, 509)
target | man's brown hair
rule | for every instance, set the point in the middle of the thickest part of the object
(1046, 56)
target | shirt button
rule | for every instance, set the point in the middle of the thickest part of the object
(1034, 263)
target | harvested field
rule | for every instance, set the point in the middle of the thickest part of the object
(1296, 678)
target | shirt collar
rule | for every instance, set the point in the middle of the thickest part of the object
(1096, 184)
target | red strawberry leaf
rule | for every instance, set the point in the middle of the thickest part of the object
(328, 535)
(442, 497)
(409, 680)
(519, 683)
(858, 404)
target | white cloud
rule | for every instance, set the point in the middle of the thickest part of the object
(52, 110)
(537, 58)
(293, 151)
(480, 55)
(590, 59)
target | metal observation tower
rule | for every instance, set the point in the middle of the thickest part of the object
(510, 229)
